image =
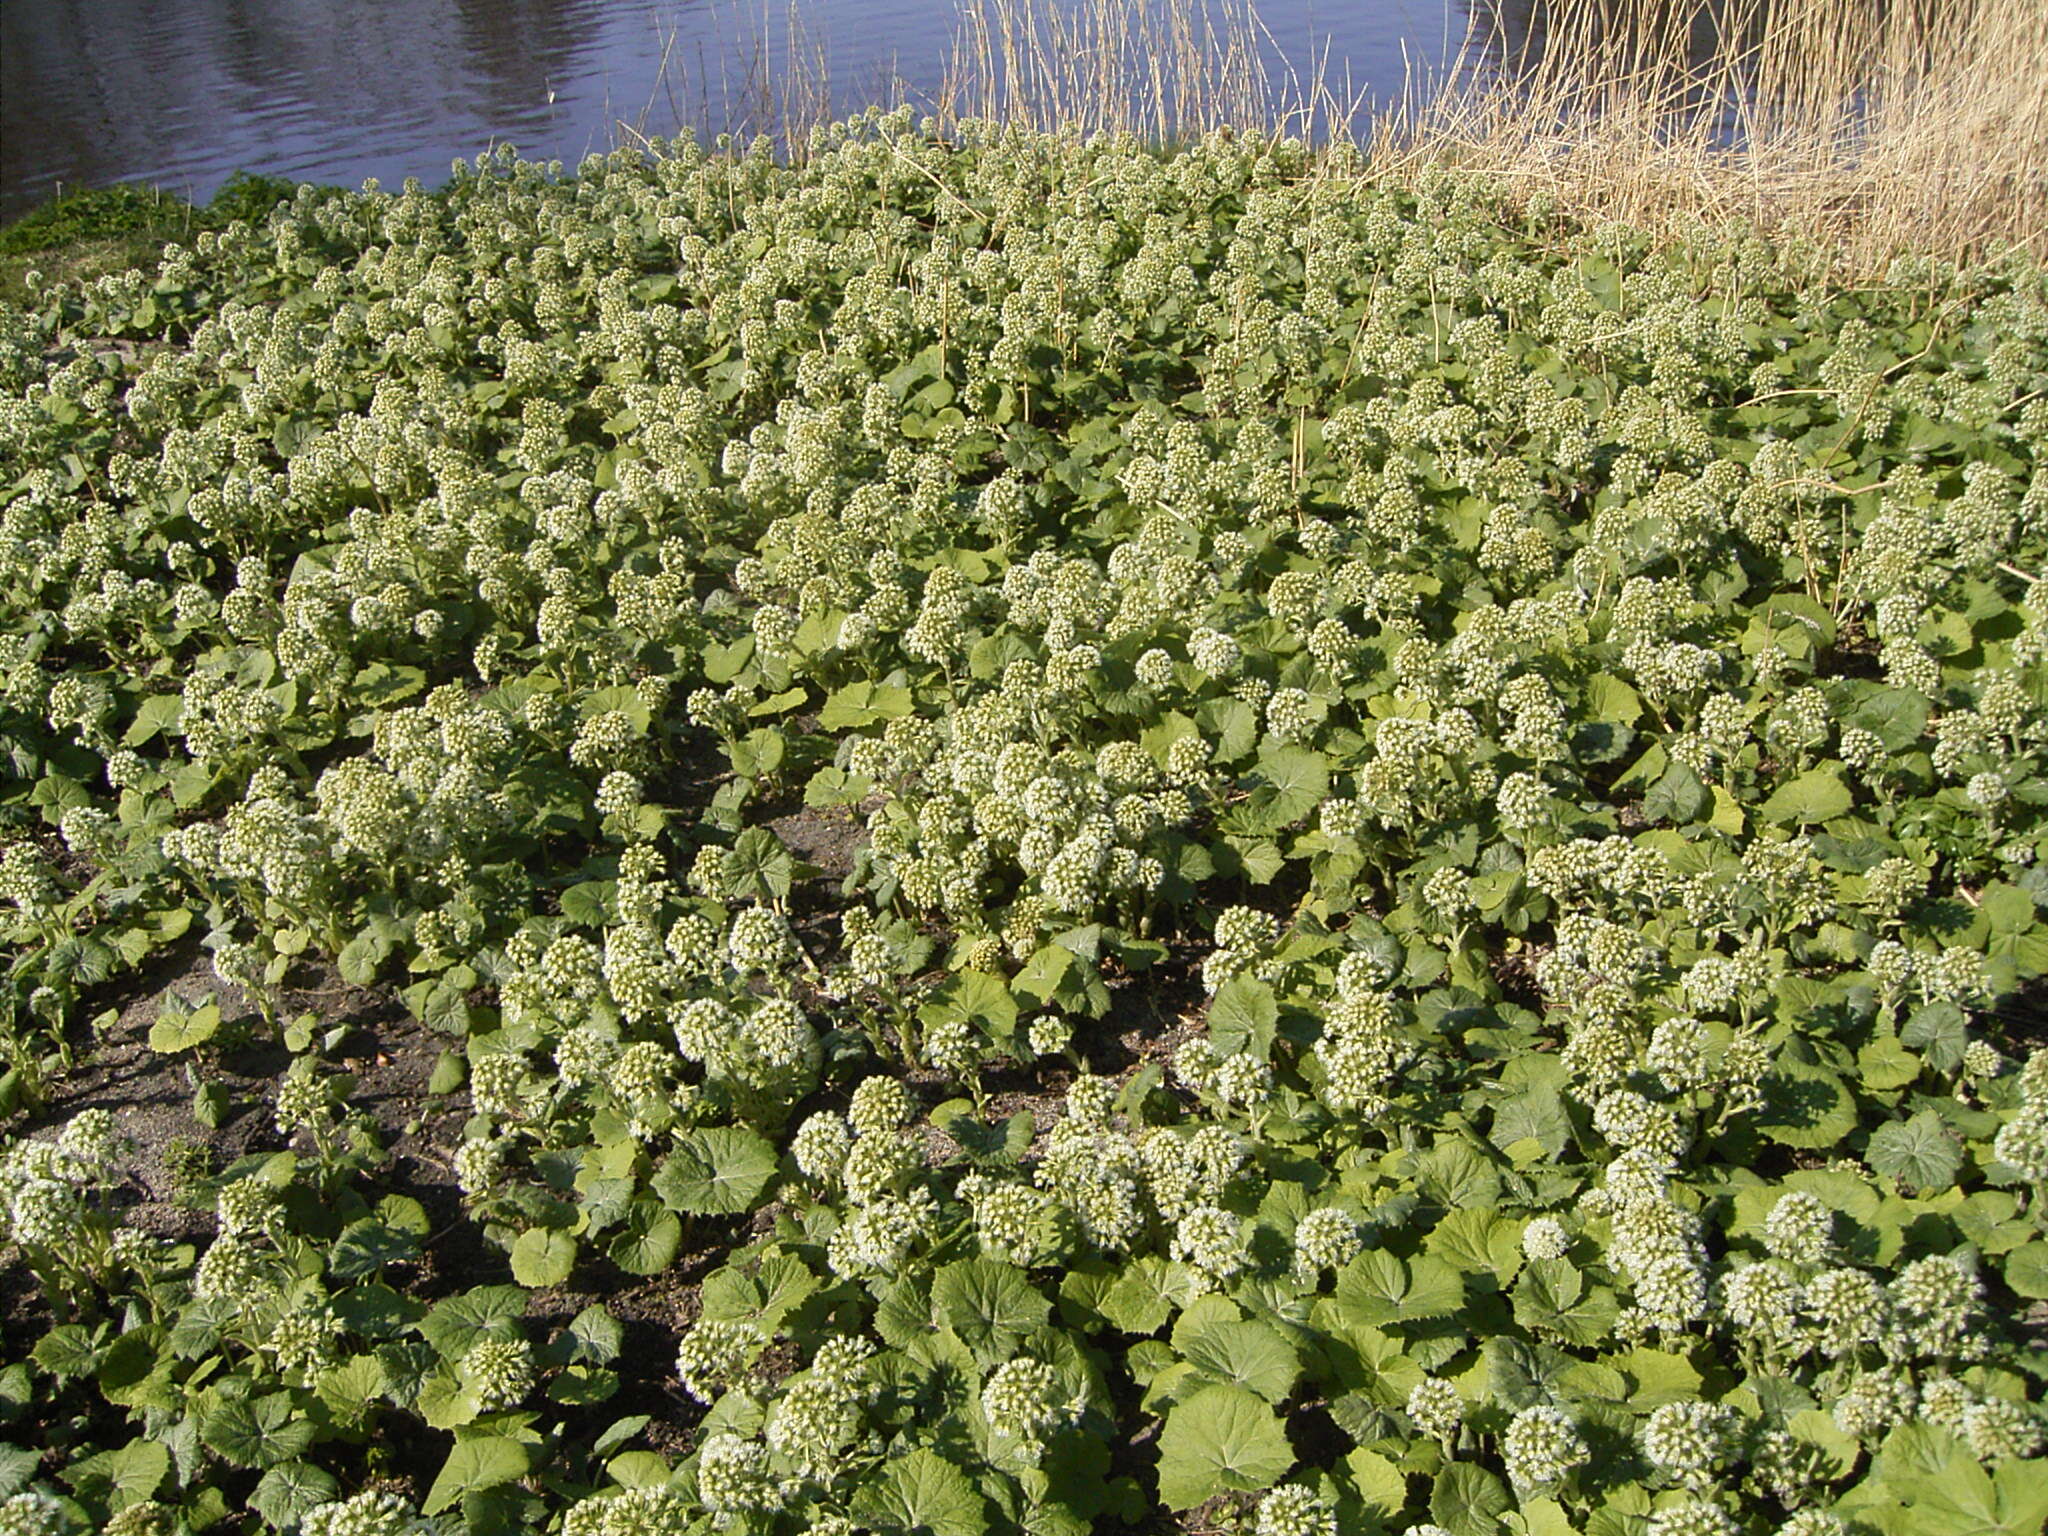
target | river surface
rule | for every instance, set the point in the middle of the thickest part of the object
(183, 93)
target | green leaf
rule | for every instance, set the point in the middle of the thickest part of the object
(1455, 1173)
(1964, 1499)
(1370, 1288)
(178, 1030)
(596, 1334)
(1001, 1142)
(1918, 1151)
(643, 1469)
(542, 1257)
(57, 793)
(1986, 1219)
(1940, 1033)
(1815, 1428)
(758, 868)
(1143, 1297)
(445, 1401)
(1885, 1064)
(1897, 716)
(1253, 1355)
(2007, 908)
(1611, 701)
(1221, 1439)
(648, 1240)
(716, 1171)
(590, 903)
(347, 1389)
(1679, 796)
(1243, 1018)
(835, 786)
(1043, 973)
(1469, 1500)
(618, 1432)
(1817, 795)
(779, 704)
(361, 956)
(922, 1492)
(155, 714)
(285, 1492)
(1435, 1289)
(1535, 1114)
(257, 1432)
(126, 1363)
(582, 1385)
(379, 684)
(1659, 1377)
(1376, 1288)
(2026, 1270)
(1520, 1375)
(17, 1466)
(66, 1351)
(451, 1069)
(366, 1246)
(486, 1461)
(1805, 1107)
(1232, 724)
(759, 753)
(459, 1321)
(1551, 1297)
(1379, 1482)
(778, 1286)
(990, 1305)
(124, 1477)
(861, 704)
(1477, 1242)
(977, 998)
(1293, 783)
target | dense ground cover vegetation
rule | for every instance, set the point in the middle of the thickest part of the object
(1174, 842)
(102, 230)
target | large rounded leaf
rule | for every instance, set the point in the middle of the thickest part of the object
(718, 1170)
(1221, 1440)
(922, 1492)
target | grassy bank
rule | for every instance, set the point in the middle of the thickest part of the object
(995, 834)
(105, 230)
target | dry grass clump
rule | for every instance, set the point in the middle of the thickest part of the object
(1875, 127)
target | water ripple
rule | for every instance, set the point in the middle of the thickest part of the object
(96, 91)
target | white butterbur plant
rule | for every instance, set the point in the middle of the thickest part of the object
(1027, 795)
(56, 1205)
(365, 1514)
(1437, 1408)
(1025, 1404)
(1325, 1240)
(1295, 1510)
(1541, 1446)
(1687, 1441)
(714, 1354)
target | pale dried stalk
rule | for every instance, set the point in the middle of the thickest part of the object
(1921, 126)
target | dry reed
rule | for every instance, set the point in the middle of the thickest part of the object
(1166, 70)
(766, 73)
(1915, 125)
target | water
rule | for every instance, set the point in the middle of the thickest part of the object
(184, 94)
